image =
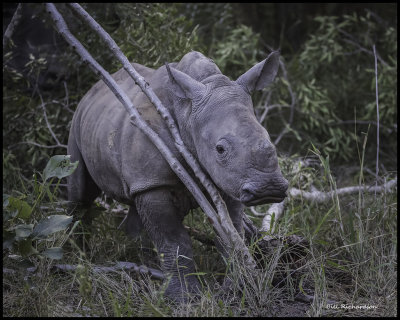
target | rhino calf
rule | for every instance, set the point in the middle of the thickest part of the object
(217, 123)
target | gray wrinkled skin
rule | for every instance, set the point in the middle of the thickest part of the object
(217, 123)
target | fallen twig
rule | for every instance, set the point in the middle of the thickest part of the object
(276, 211)
(318, 196)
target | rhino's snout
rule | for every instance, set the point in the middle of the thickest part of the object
(253, 194)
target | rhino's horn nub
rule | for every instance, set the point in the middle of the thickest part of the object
(184, 86)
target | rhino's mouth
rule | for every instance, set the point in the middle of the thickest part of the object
(251, 197)
(263, 200)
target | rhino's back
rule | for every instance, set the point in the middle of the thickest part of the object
(119, 157)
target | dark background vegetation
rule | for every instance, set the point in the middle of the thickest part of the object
(326, 48)
(324, 94)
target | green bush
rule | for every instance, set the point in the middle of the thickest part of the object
(333, 78)
(26, 230)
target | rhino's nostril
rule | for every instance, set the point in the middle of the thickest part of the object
(246, 194)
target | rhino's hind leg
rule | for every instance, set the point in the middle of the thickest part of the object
(162, 220)
(82, 190)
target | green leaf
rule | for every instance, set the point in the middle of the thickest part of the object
(196, 274)
(151, 308)
(51, 224)
(25, 248)
(335, 265)
(59, 166)
(301, 284)
(8, 239)
(54, 253)
(322, 221)
(23, 208)
(23, 231)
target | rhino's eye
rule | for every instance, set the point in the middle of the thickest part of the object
(220, 149)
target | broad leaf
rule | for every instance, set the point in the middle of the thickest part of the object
(53, 253)
(50, 225)
(59, 166)
(23, 231)
(25, 248)
(23, 208)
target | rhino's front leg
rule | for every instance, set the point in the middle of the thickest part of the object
(162, 218)
(133, 224)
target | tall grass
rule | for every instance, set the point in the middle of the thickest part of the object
(350, 268)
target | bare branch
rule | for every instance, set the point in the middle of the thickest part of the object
(276, 209)
(264, 104)
(12, 25)
(352, 40)
(41, 145)
(58, 145)
(48, 124)
(283, 132)
(319, 196)
(63, 105)
(66, 103)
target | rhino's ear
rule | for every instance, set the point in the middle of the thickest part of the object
(184, 86)
(260, 75)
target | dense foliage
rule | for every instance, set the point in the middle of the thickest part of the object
(327, 86)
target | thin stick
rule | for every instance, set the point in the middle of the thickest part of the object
(377, 118)
(227, 235)
(48, 124)
(41, 145)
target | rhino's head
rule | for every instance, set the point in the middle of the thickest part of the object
(219, 125)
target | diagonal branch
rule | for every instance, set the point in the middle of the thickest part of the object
(165, 114)
(12, 25)
(224, 231)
